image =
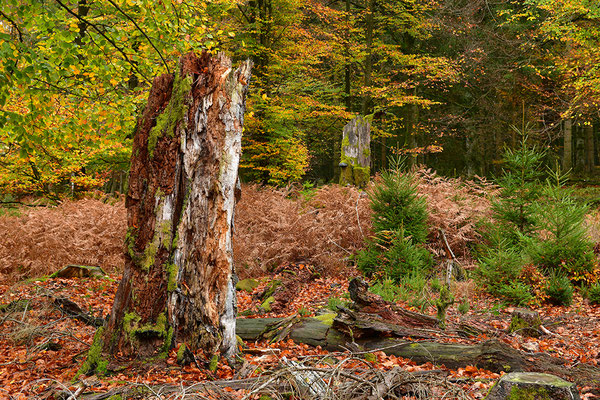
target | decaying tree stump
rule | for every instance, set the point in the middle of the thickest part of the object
(177, 286)
(533, 385)
(525, 322)
(356, 153)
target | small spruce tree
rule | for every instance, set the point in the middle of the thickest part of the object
(535, 224)
(400, 226)
(514, 211)
(562, 245)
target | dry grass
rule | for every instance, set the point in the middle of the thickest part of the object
(276, 226)
(455, 206)
(42, 240)
(273, 226)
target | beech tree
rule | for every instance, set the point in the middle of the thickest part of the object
(178, 282)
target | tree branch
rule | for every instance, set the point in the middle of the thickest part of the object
(13, 23)
(120, 50)
(143, 33)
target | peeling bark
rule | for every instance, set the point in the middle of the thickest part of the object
(178, 282)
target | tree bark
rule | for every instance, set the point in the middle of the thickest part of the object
(356, 153)
(177, 285)
(368, 65)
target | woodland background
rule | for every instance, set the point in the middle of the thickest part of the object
(441, 81)
(482, 99)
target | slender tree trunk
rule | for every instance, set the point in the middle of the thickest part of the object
(177, 286)
(348, 66)
(568, 145)
(589, 147)
(366, 106)
(411, 130)
(83, 9)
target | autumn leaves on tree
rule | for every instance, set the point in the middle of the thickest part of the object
(426, 75)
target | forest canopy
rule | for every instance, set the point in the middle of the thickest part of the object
(440, 82)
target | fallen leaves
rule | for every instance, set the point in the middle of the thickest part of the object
(28, 368)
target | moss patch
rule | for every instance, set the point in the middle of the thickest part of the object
(214, 363)
(133, 329)
(361, 176)
(173, 113)
(528, 393)
(172, 271)
(181, 354)
(161, 329)
(327, 319)
(130, 245)
(247, 285)
(270, 289)
(95, 363)
(266, 305)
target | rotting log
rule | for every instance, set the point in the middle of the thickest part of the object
(178, 282)
(492, 355)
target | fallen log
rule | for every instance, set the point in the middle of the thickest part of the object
(492, 355)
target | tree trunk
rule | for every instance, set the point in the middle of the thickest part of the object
(568, 145)
(348, 61)
(589, 147)
(368, 66)
(356, 153)
(177, 286)
(411, 131)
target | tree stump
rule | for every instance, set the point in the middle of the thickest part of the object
(356, 153)
(79, 271)
(178, 282)
(532, 386)
(525, 322)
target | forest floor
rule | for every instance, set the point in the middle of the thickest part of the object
(42, 348)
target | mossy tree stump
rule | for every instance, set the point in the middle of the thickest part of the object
(525, 322)
(178, 283)
(356, 153)
(532, 386)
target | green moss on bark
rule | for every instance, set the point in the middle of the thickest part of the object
(130, 245)
(214, 363)
(166, 123)
(181, 354)
(160, 329)
(266, 305)
(95, 362)
(131, 326)
(361, 176)
(171, 270)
